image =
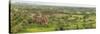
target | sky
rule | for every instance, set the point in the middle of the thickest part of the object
(81, 2)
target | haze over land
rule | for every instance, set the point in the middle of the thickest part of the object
(53, 3)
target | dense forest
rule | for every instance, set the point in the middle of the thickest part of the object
(59, 18)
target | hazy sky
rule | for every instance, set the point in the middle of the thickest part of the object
(89, 2)
(84, 2)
